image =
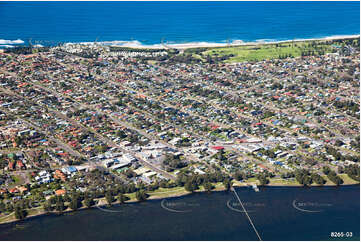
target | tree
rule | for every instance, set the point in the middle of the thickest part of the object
(262, 180)
(181, 179)
(52, 199)
(334, 178)
(353, 171)
(163, 184)
(75, 203)
(9, 207)
(2, 207)
(47, 206)
(121, 134)
(20, 213)
(318, 179)
(227, 184)
(208, 186)
(188, 186)
(340, 169)
(59, 206)
(239, 176)
(307, 180)
(326, 170)
(109, 198)
(220, 177)
(88, 202)
(122, 198)
(66, 197)
(338, 143)
(141, 195)
(172, 162)
(303, 177)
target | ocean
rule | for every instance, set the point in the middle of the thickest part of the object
(150, 23)
(278, 214)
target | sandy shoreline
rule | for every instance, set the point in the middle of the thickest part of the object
(182, 46)
(138, 45)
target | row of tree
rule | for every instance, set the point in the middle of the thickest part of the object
(332, 175)
(192, 182)
(353, 171)
(304, 177)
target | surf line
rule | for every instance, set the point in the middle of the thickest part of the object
(250, 220)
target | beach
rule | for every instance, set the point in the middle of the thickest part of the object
(232, 44)
(183, 46)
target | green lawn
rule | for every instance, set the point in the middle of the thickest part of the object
(11, 216)
(167, 191)
(17, 181)
(267, 51)
(6, 218)
(347, 180)
(283, 182)
(252, 179)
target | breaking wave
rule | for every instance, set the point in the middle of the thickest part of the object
(6, 46)
(11, 42)
(138, 44)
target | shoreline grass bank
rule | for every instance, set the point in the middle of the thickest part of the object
(158, 195)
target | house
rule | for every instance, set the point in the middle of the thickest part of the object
(254, 140)
(82, 168)
(108, 163)
(13, 190)
(175, 141)
(20, 164)
(3, 191)
(60, 192)
(59, 175)
(11, 165)
(249, 148)
(22, 189)
(129, 158)
(121, 164)
(141, 170)
(71, 169)
(150, 174)
(198, 171)
(264, 167)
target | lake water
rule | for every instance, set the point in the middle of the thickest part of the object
(148, 23)
(278, 213)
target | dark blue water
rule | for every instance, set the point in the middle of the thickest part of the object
(175, 22)
(215, 216)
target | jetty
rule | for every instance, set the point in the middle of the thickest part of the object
(255, 188)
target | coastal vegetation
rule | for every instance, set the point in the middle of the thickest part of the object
(228, 54)
(227, 183)
(257, 52)
(87, 200)
(184, 183)
(20, 213)
(248, 52)
(141, 195)
(263, 180)
(26, 50)
(353, 171)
